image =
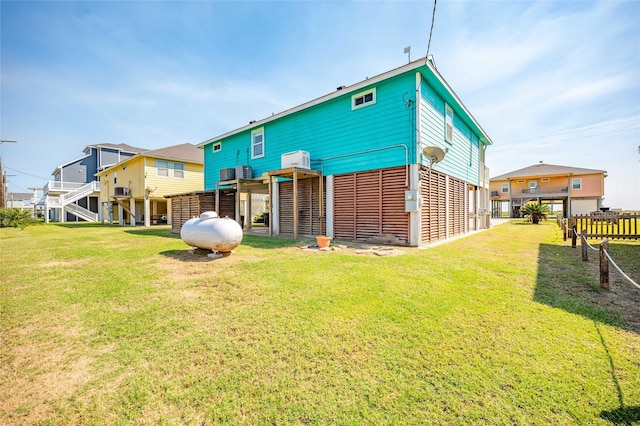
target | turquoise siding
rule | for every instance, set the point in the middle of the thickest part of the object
(342, 140)
(331, 129)
(462, 158)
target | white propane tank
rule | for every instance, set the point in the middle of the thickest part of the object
(212, 232)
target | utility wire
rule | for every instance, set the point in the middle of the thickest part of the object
(517, 145)
(24, 173)
(433, 18)
(579, 129)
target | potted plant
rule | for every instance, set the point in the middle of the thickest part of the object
(323, 241)
(535, 211)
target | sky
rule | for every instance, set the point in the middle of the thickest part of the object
(551, 81)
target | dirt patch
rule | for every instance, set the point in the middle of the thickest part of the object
(36, 375)
(363, 249)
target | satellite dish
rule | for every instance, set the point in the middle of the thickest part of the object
(433, 153)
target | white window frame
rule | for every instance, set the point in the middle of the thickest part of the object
(573, 184)
(159, 168)
(255, 144)
(179, 170)
(216, 147)
(365, 98)
(448, 123)
(505, 188)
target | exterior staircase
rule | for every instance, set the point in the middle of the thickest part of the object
(67, 201)
(81, 212)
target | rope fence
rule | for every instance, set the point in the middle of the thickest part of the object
(605, 257)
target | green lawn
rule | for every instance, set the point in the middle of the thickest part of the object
(113, 325)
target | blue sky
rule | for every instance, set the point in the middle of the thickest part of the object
(552, 81)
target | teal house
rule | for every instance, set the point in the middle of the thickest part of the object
(396, 158)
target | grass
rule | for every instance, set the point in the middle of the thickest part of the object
(112, 325)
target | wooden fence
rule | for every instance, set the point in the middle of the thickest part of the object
(602, 225)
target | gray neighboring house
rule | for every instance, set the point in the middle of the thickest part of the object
(20, 200)
(73, 194)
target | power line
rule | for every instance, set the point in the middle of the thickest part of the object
(433, 18)
(24, 173)
(505, 148)
(578, 129)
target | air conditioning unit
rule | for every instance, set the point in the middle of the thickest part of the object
(298, 159)
(121, 191)
(227, 174)
(243, 172)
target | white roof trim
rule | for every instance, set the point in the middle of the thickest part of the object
(422, 62)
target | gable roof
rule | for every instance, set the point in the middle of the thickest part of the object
(18, 196)
(424, 65)
(187, 152)
(543, 169)
(120, 146)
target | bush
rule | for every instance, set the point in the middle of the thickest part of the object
(535, 211)
(16, 218)
(259, 218)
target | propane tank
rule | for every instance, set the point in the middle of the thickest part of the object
(212, 232)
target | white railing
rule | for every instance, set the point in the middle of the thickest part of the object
(81, 192)
(81, 212)
(52, 202)
(59, 186)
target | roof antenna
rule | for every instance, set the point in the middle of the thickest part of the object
(407, 50)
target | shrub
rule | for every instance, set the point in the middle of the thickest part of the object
(535, 211)
(16, 218)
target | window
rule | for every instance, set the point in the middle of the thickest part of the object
(448, 123)
(257, 143)
(115, 177)
(576, 183)
(363, 99)
(217, 147)
(505, 187)
(178, 170)
(162, 168)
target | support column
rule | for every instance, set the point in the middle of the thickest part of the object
(270, 207)
(120, 215)
(132, 211)
(320, 204)
(329, 209)
(295, 205)
(247, 209)
(238, 218)
(147, 209)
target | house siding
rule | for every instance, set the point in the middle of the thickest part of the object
(327, 130)
(462, 160)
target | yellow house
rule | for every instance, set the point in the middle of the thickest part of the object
(133, 191)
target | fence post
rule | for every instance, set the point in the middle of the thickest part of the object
(583, 244)
(604, 265)
(574, 236)
(564, 229)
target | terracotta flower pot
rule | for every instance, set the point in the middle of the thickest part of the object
(323, 241)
